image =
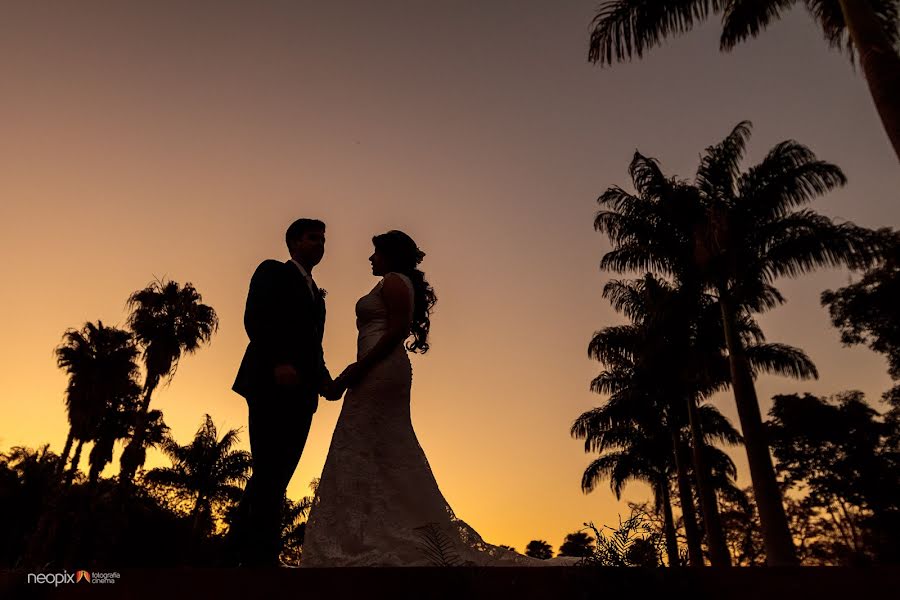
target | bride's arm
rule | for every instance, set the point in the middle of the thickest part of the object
(395, 294)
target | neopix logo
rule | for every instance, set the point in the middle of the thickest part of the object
(55, 579)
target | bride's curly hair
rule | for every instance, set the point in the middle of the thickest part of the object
(403, 256)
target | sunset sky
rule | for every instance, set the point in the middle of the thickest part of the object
(178, 140)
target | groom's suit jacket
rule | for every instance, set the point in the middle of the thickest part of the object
(285, 322)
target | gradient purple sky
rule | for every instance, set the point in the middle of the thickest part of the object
(179, 140)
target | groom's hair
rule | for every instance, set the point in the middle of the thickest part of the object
(300, 227)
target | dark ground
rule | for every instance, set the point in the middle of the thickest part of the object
(494, 583)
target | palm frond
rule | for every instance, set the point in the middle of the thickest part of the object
(789, 176)
(436, 545)
(609, 381)
(747, 18)
(719, 168)
(805, 240)
(613, 345)
(781, 359)
(830, 17)
(622, 28)
(716, 427)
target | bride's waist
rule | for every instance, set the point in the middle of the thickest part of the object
(366, 342)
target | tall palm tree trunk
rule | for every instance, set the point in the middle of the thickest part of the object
(669, 523)
(880, 63)
(133, 455)
(776, 533)
(688, 514)
(100, 455)
(76, 458)
(715, 535)
(197, 516)
(96, 469)
(64, 457)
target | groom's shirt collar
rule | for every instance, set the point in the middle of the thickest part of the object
(306, 276)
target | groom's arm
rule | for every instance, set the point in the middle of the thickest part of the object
(325, 380)
(264, 313)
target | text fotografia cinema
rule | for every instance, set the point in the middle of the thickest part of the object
(66, 577)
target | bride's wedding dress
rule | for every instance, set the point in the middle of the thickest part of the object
(377, 502)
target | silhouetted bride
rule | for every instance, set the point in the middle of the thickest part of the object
(377, 503)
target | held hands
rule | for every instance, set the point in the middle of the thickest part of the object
(334, 389)
(349, 377)
(286, 374)
(330, 390)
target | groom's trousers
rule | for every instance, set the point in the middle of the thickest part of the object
(279, 425)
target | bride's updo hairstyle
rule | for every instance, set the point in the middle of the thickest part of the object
(403, 256)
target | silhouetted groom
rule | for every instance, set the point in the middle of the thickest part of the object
(281, 376)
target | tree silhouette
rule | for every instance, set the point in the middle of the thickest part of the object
(116, 424)
(29, 479)
(293, 529)
(100, 362)
(734, 234)
(867, 28)
(741, 525)
(168, 321)
(866, 312)
(539, 549)
(633, 543)
(208, 470)
(639, 431)
(578, 544)
(675, 349)
(839, 455)
(658, 370)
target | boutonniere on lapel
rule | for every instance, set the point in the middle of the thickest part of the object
(322, 293)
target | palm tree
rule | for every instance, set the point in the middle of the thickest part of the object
(630, 451)
(679, 344)
(293, 528)
(116, 424)
(645, 402)
(100, 362)
(207, 471)
(734, 234)
(167, 320)
(34, 468)
(868, 28)
(681, 352)
(638, 395)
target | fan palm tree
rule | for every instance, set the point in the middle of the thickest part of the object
(116, 424)
(208, 470)
(100, 362)
(734, 234)
(864, 28)
(168, 321)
